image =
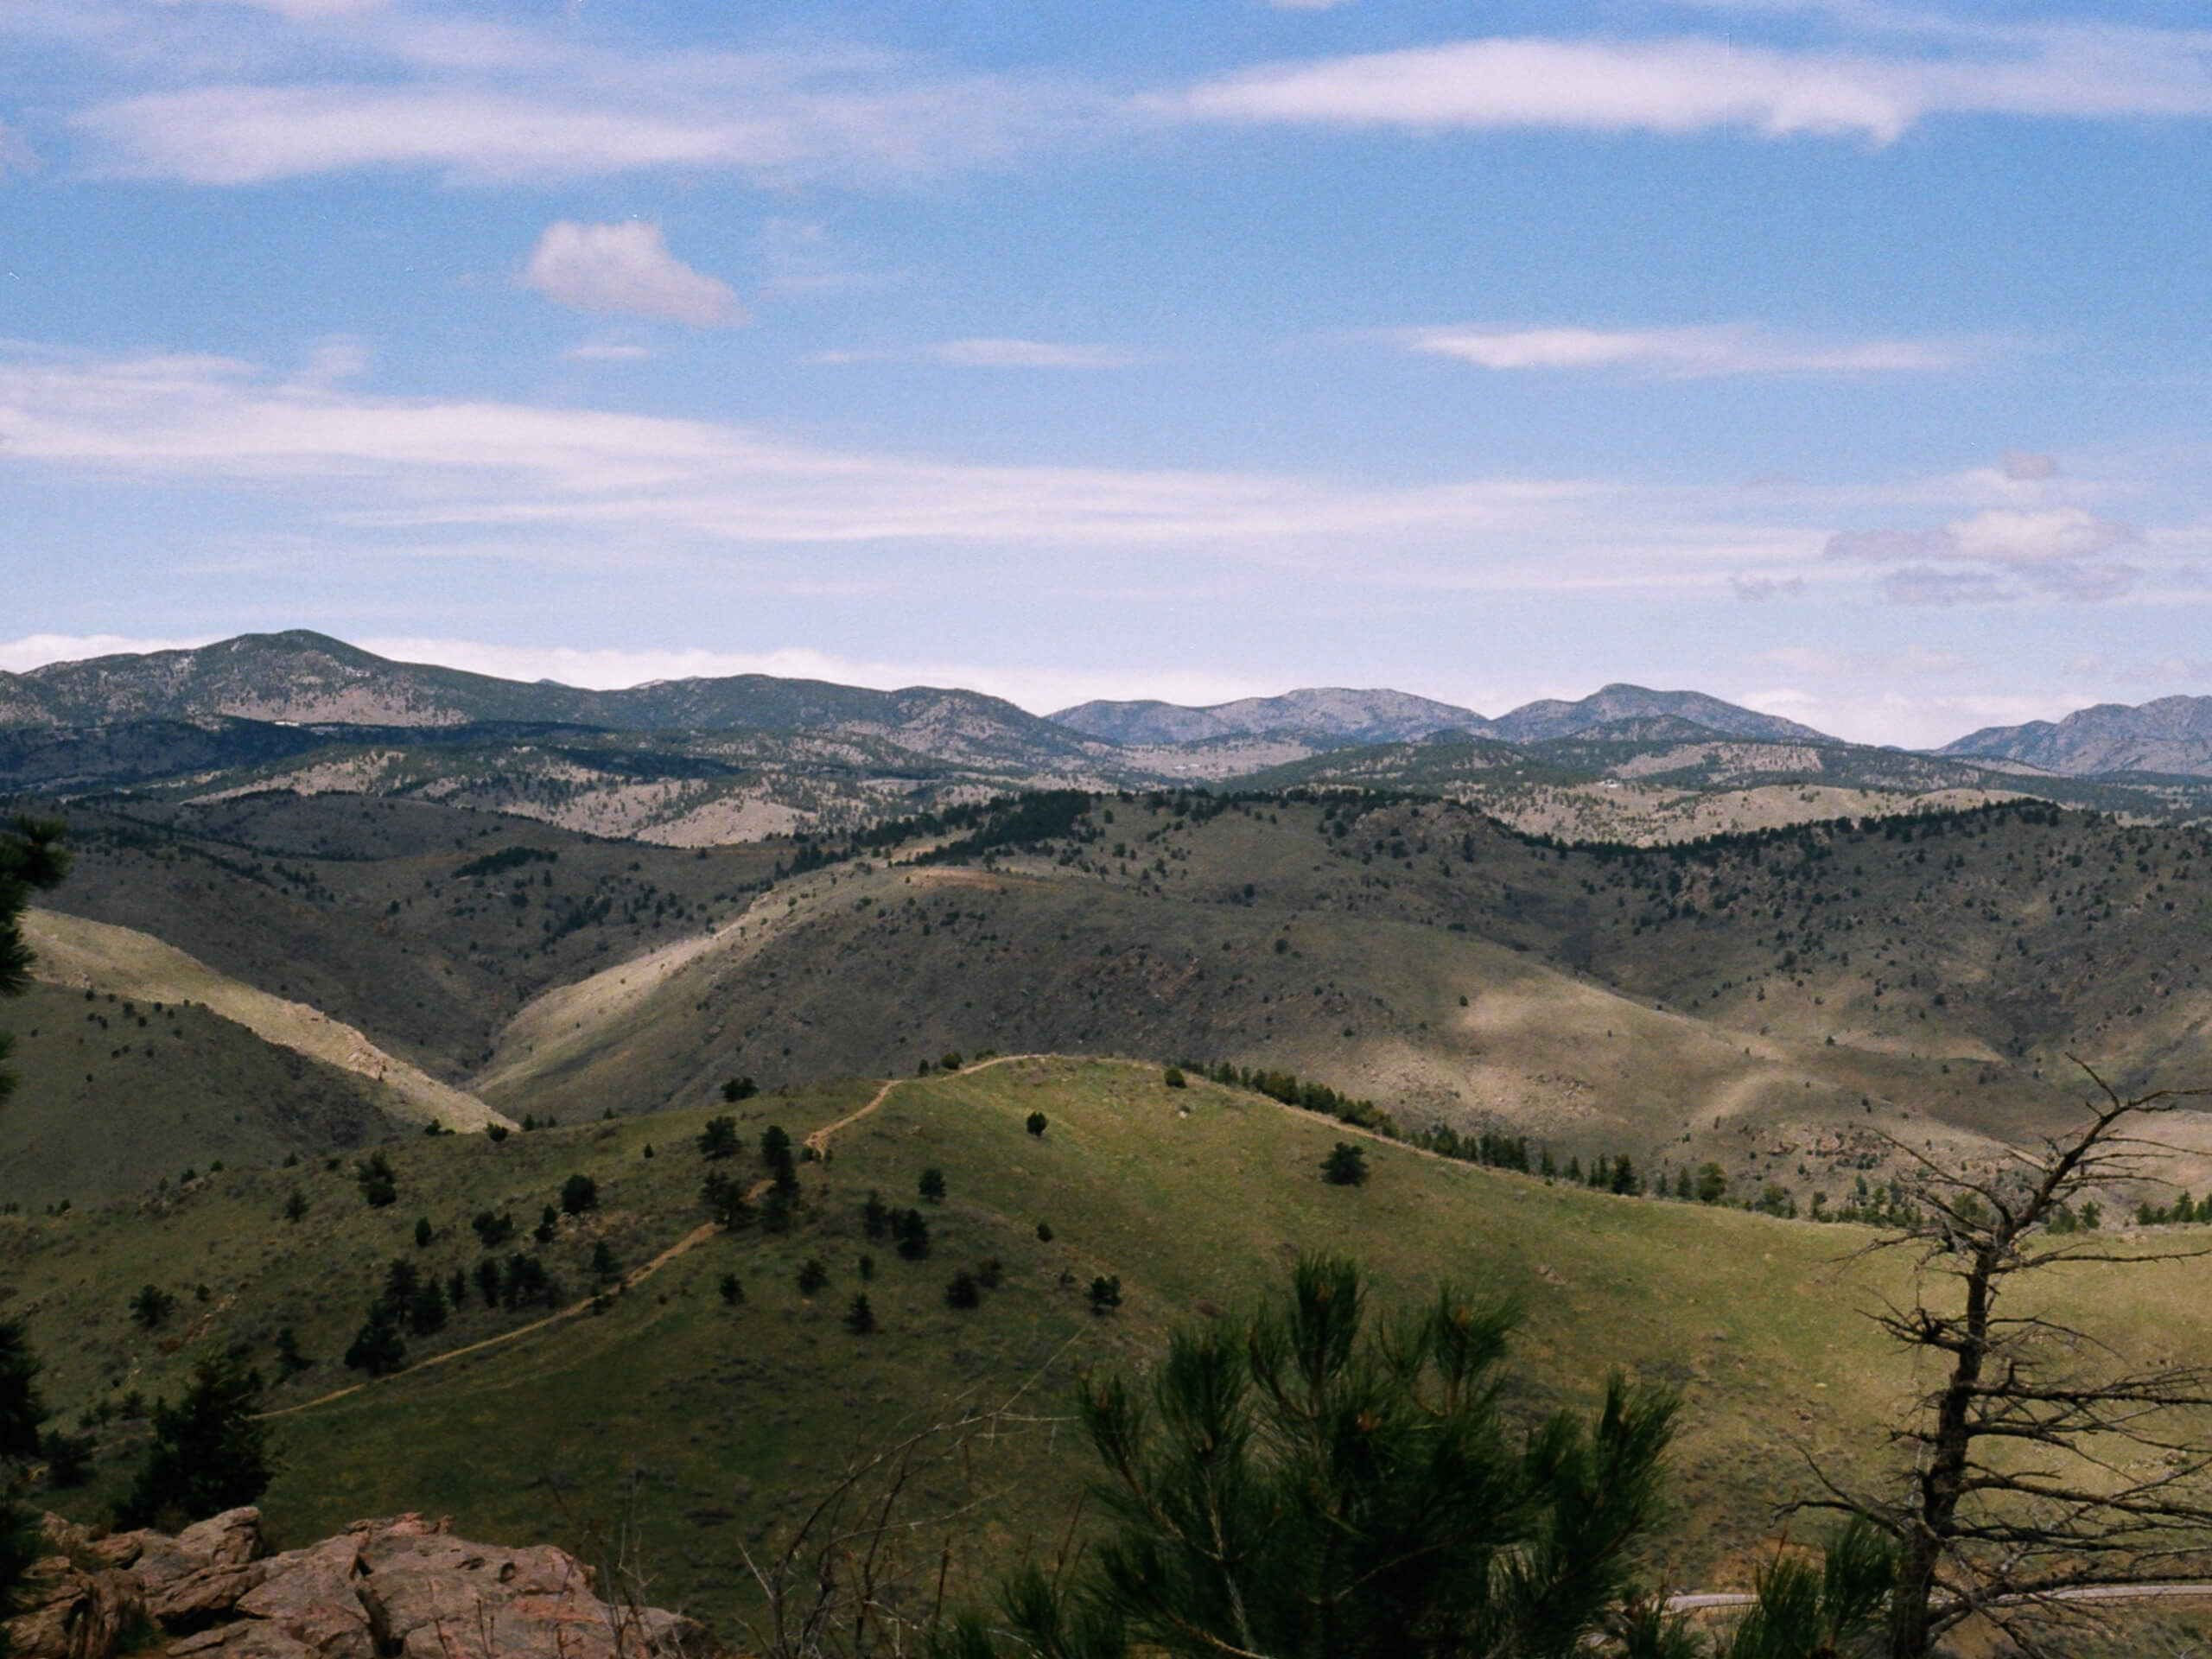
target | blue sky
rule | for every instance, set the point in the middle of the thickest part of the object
(1847, 360)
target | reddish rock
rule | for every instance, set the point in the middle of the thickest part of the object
(397, 1588)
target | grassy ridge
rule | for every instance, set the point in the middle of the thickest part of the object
(722, 1420)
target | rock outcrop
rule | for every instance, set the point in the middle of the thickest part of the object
(398, 1588)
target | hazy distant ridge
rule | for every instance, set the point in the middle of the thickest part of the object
(1348, 716)
(1381, 716)
(2171, 735)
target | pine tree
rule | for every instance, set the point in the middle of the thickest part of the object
(378, 1347)
(23, 1404)
(1306, 1483)
(860, 1318)
(719, 1139)
(1345, 1167)
(212, 1450)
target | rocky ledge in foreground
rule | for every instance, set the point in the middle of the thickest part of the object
(379, 1590)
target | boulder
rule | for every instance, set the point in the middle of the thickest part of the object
(401, 1588)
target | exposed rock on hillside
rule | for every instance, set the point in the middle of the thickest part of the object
(379, 1590)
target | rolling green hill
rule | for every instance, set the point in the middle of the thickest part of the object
(710, 1425)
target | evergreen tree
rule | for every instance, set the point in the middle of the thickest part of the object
(914, 1235)
(151, 1307)
(426, 1309)
(933, 1185)
(290, 1362)
(1308, 1485)
(378, 1347)
(719, 1139)
(1346, 1165)
(860, 1318)
(423, 1233)
(603, 1264)
(488, 1281)
(724, 1197)
(963, 1292)
(295, 1206)
(211, 1451)
(578, 1194)
(812, 1276)
(1036, 1123)
(31, 860)
(875, 1215)
(23, 1404)
(733, 1289)
(379, 1185)
(69, 1458)
(1105, 1294)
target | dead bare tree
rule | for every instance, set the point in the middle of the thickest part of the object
(2041, 1462)
(856, 1576)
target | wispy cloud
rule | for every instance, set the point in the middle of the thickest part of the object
(626, 268)
(1029, 354)
(1684, 84)
(1732, 349)
(606, 351)
(484, 105)
(483, 463)
(1999, 554)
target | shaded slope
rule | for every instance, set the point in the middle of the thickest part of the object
(423, 925)
(83, 955)
(121, 1091)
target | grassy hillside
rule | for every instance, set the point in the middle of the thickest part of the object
(117, 1093)
(718, 1422)
(1770, 1001)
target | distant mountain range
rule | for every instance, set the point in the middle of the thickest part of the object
(304, 678)
(300, 678)
(1397, 717)
(2172, 735)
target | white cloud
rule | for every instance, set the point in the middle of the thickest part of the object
(1686, 84)
(1687, 352)
(1029, 354)
(37, 650)
(626, 268)
(2022, 466)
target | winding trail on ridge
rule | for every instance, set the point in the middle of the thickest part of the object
(818, 1142)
